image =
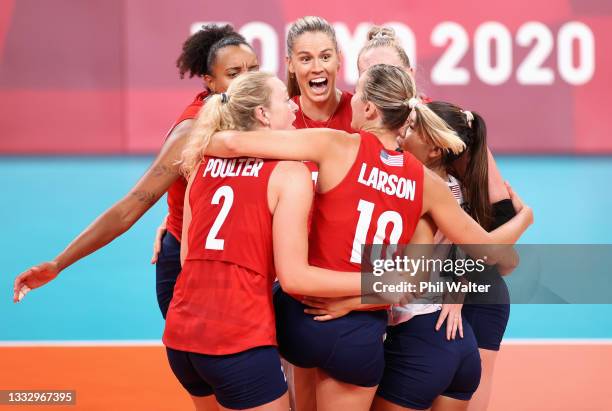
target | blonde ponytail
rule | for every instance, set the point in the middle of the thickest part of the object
(432, 127)
(234, 110)
(212, 117)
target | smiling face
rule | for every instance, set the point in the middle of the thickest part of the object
(315, 62)
(230, 62)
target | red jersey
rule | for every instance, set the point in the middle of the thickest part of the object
(222, 301)
(378, 202)
(340, 120)
(176, 192)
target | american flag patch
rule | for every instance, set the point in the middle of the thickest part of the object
(456, 190)
(395, 160)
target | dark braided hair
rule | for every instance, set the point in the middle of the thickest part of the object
(200, 50)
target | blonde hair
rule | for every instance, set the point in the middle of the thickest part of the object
(393, 92)
(385, 37)
(234, 110)
(307, 24)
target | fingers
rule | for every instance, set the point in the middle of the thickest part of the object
(441, 318)
(17, 297)
(157, 244)
(313, 302)
(20, 282)
(460, 327)
(314, 311)
(324, 317)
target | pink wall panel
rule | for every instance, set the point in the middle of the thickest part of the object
(100, 76)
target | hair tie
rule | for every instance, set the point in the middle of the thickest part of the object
(412, 102)
(224, 98)
(469, 117)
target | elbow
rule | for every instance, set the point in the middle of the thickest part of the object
(510, 266)
(231, 145)
(291, 283)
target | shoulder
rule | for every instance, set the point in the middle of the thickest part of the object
(292, 170)
(291, 178)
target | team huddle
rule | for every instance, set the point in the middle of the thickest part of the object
(259, 270)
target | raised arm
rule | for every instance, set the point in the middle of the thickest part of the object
(118, 218)
(293, 185)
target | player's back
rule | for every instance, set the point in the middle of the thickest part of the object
(379, 201)
(222, 299)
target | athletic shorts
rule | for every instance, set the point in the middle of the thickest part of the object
(421, 364)
(167, 269)
(489, 323)
(349, 349)
(243, 380)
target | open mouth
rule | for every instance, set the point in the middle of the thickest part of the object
(318, 85)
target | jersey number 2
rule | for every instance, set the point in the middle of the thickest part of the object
(225, 192)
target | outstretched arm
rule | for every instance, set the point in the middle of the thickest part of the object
(117, 219)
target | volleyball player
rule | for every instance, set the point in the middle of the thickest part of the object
(348, 353)
(313, 64)
(217, 54)
(243, 218)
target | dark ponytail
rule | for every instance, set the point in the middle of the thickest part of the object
(472, 129)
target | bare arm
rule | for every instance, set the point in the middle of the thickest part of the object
(497, 188)
(290, 238)
(123, 214)
(186, 219)
(460, 228)
(326, 309)
(307, 144)
(120, 217)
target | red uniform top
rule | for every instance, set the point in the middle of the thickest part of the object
(340, 120)
(222, 301)
(176, 192)
(378, 202)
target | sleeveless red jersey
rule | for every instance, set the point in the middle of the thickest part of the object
(340, 120)
(176, 192)
(379, 201)
(222, 301)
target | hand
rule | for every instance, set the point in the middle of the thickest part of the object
(157, 244)
(518, 204)
(451, 313)
(326, 309)
(35, 277)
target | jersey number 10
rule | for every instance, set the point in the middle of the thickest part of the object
(366, 210)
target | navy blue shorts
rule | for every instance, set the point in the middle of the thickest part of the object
(349, 349)
(422, 364)
(167, 269)
(489, 323)
(243, 380)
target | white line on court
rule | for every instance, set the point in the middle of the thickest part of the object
(158, 343)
